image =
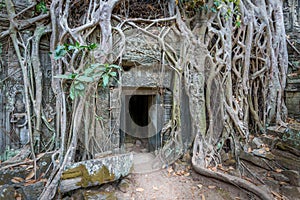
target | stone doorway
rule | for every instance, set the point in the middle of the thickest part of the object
(141, 120)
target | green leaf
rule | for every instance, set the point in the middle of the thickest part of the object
(85, 79)
(105, 79)
(79, 86)
(60, 52)
(73, 75)
(83, 47)
(217, 3)
(64, 76)
(88, 71)
(41, 7)
(102, 69)
(72, 92)
(107, 66)
(113, 74)
(77, 44)
(71, 47)
(97, 65)
(92, 46)
(96, 76)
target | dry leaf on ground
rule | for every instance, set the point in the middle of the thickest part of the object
(267, 149)
(199, 186)
(139, 189)
(17, 179)
(187, 174)
(40, 155)
(30, 175)
(202, 197)
(155, 188)
(278, 170)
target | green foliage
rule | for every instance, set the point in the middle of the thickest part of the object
(296, 63)
(2, 4)
(8, 153)
(95, 72)
(41, 7)
(62, 50)
(102, 73)
(229, 13)
(199, 5)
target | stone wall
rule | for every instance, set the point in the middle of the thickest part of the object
(13, 119)
(292, 25)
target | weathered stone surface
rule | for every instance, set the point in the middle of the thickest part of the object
(95, 172)
(273, 185)
(287, 160)
(143, 76)
(285, 147)
(257, 142)
(7, 192)
(289, 136)
(28, 192)
(263, 153)
(290, 191)
(7, 173)
(261, 162)
(33, 191)
(293, 177)
(279, 177)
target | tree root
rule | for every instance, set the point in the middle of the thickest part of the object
(236, 181)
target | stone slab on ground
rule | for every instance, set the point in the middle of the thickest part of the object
(96, 172)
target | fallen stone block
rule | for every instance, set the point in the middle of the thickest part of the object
(95, 172)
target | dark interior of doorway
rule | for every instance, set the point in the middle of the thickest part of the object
(137, 120)
(139, 108)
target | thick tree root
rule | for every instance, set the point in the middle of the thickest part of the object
(264, 195)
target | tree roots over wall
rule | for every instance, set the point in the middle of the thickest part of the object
(230, 59)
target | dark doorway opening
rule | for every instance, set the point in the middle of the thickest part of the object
(139, 108)
(139, 121)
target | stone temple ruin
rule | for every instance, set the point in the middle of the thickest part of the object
(132, 113)
(152, 111)
(13, 119)
(141, 106)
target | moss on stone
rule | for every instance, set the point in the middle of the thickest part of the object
(101, 176)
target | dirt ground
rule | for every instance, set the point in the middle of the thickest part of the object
(174, 182)
(163, 185)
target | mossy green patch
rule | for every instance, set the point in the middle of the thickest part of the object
(101, 176)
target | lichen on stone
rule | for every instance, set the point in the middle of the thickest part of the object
(103, 175)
